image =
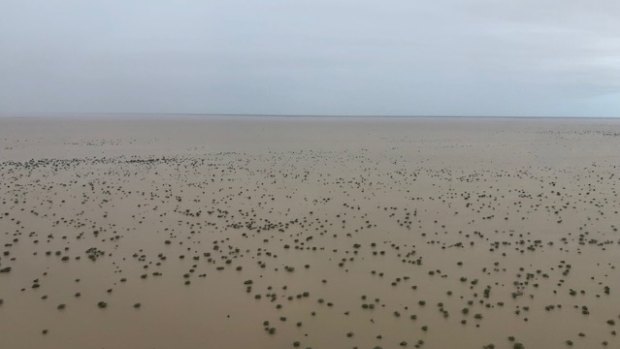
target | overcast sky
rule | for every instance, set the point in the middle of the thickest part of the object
(411, 57)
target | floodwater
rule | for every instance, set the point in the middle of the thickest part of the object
(233, 232)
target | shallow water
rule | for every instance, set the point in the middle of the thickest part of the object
(401, 211)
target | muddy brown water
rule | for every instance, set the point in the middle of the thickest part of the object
(341, 233)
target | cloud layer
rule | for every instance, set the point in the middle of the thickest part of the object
(442, 57)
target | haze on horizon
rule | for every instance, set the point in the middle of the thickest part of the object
(361, 57)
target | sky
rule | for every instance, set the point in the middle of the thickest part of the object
(332, 57)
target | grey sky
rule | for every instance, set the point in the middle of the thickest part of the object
(439, 57)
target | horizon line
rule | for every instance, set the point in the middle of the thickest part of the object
(281, 115)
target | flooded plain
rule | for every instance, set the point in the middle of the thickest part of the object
(269, 232)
